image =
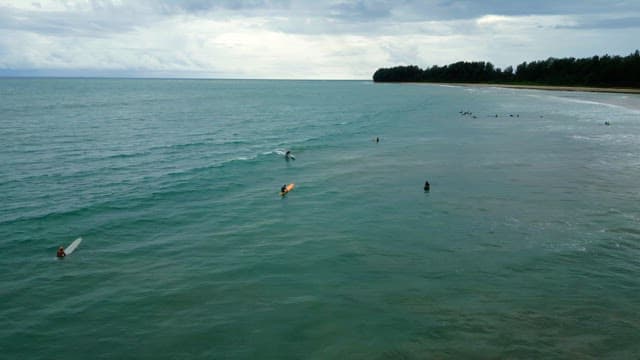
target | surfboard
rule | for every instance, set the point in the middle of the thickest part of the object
(287, 189)
(72, 247)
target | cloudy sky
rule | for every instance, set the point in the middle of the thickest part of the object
(300, 39)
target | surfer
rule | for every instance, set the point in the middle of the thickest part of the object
(427, 186)
(289, 156)
(283, 189)
(377, 139)
(60, 252)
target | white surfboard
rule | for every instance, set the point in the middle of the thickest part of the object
(72, 247)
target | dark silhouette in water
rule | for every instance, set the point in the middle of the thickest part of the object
(427, 186)
(61, 252)
(289, 156)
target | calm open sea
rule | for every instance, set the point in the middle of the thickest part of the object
(527, 245)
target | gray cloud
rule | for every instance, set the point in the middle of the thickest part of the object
(204, 6)
(610, 23)
(95, 21)
(361, 10)
(467, 9)
(102, 16)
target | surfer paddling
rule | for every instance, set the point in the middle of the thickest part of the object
(289, 156)
(61, 252)
(286, 188)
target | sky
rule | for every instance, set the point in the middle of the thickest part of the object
(300, 39)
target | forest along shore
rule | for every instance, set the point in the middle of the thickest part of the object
(596, 74)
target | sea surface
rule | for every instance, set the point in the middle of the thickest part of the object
(526, 246)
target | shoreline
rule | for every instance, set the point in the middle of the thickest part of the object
(545, 87)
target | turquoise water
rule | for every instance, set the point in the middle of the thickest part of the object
(527, 245)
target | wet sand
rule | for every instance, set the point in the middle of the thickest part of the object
(549, 87)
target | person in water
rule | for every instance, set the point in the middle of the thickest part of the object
(283, 188)
(427, 186)
(61, 252)
(288, 154)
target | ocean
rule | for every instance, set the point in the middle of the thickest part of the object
(526, 246)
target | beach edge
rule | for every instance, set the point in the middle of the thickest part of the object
(544, 87)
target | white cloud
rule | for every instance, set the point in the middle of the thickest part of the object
(286, 40)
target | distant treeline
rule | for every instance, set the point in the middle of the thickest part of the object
(606, 71)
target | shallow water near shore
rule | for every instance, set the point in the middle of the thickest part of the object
(527, 245)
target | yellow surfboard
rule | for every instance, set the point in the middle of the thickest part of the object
(287, 189)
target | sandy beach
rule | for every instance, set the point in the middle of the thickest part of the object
(554, 88)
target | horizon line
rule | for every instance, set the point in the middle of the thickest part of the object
(14, 76)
